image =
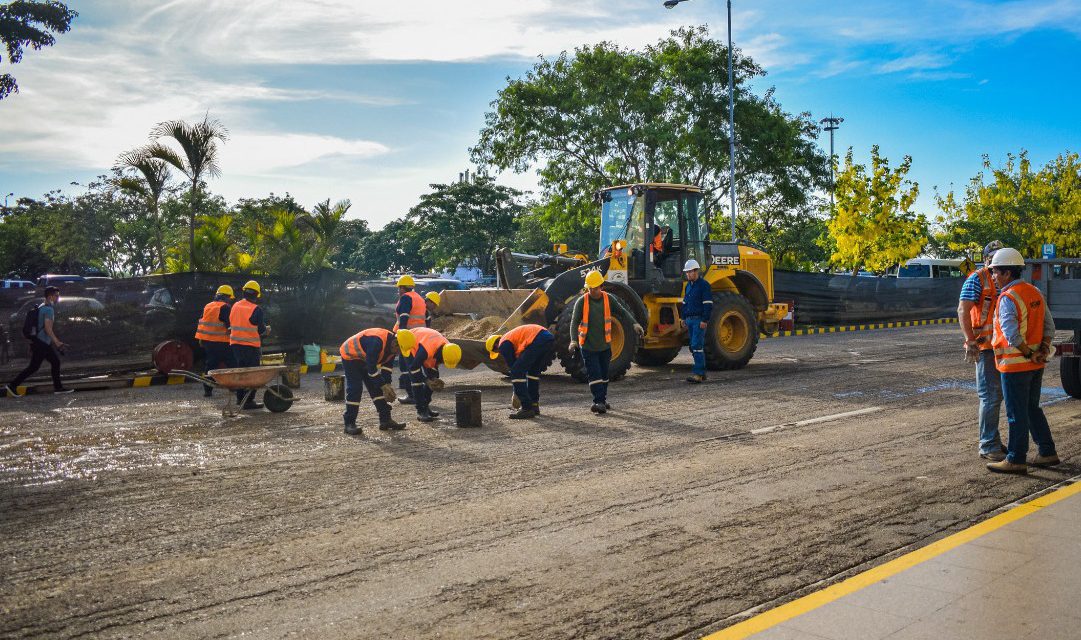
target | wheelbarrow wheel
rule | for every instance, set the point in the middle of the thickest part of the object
(277, 398)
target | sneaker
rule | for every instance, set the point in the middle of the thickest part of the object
(993, 456)
(351, 429)
(63, 391)
(9, 392)
(1045, 461)
(1007, 467)
(390, 425)
(523, 414)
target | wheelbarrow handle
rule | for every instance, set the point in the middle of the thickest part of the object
(194, 376)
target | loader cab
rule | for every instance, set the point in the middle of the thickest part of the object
(638, 214)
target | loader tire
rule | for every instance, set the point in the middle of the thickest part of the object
(732, 333)
(1070, 372)
(624, 345)
(656, 357)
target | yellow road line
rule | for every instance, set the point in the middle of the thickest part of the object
(812, 601)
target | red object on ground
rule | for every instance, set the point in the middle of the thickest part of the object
(788, 322)
(173, 354)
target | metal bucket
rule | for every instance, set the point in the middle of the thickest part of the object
(291, 376)
(334, 387)
(467, 408)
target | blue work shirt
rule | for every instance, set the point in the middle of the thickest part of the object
(45, 312)
(697, 299)
(1007, 319)
(373, 348)
(972, 289)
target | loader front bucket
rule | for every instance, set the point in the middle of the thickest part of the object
(468, 317)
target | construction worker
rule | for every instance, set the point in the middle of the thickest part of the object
(697, 308)
(658, 245)
(213, 333)
(247, 328)
(591, 331)
(526, 350)
(1022, 336)
(366, 358)
(431, 301)
(411, 312)
(430, 350)
(976, 315)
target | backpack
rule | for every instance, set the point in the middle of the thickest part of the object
(30, 323)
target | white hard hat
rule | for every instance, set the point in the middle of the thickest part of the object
(1007, 257)
(691, 265)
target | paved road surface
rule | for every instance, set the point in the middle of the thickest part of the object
(140, 512)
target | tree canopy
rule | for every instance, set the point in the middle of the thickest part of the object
(29, 23)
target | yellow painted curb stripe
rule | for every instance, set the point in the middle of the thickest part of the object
(141, 381)
(812, 601)
(176, 380)
(813, 331)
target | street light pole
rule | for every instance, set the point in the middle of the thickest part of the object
(669, 4)
(831, 124)
(6, 199)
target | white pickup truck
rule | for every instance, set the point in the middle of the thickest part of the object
(1060, 281)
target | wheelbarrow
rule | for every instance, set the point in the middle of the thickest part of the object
(277, 397)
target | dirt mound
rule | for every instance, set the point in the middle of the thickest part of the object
(465, 327)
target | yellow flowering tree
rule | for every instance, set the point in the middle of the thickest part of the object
(872, 225)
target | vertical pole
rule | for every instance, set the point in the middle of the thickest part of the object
(833, 178)
(731, 127)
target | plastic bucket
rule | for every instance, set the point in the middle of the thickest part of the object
(291, 376)
(311, 355)
(467, 408)
(334, 387)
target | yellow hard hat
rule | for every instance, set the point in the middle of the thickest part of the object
(490, 345)
(406, 281)
(406, 341)
(252, 285)
(594, 279)
(225, 290)
(452, 355)
(434, 297)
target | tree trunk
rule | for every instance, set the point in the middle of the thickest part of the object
(157, 237)
(191, 227)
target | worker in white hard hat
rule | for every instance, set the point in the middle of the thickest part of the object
(697, 309)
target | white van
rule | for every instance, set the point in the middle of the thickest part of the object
(933, 268)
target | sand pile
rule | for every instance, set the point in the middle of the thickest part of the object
(465, 327)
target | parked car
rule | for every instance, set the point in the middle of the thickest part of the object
(54, 280)
(932, 268)
(16, 284)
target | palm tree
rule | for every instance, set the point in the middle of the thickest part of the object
(324, 222)
(199, 145)
(150, 182)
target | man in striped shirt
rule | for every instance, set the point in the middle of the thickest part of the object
(976, 314)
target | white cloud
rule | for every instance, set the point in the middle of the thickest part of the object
(917, 61)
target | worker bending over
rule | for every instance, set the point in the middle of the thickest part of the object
(697, 308)
(247, 328)
(430, 349)
(367, 358)
(591, 330)
(410, 313)
(527, 350)
(213, 333)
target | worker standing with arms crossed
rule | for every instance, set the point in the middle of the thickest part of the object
(527, 350)
(431, 348)
(591, 331)
(410, 313)
(1022, 339)
(213, 333)
(976, 315)
(697, 308)
(367, 358)
(247, 328)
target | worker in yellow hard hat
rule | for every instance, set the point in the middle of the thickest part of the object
(213, 333)
(431, 302)
(591, 331)
(366, 360)
(430, 349)
(410, 313)
(527, 350)
(247, 328)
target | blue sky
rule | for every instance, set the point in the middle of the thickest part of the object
(372, 100)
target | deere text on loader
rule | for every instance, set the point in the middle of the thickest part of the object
(540, 289)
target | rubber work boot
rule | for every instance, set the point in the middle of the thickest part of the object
(433, 413)
(1045, 461)
(1007, 467)
(425, 417)
(351, 429)
(598, 408)
(523, 414)
(696, 379)
(250, 404)
(388, 424)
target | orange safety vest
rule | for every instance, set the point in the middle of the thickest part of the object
(241, 330)
(1030, 314)
(521, 337)
(417, 312)
(583, 328)
(658, 242)
(211, 328)
(432, 341)
(982, 314)
(351, 349)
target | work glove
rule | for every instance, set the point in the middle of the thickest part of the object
(639, 330)
(389, 394)
(572, 347)
(435, 384)
(515, 403)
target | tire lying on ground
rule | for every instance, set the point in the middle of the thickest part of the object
(624, 345)
(1070, 372)
(732, 332)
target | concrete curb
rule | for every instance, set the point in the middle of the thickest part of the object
(812, 331)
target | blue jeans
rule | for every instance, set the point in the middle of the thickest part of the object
(698, 343)
(989, 390)
(1021, 392)
(597, 368)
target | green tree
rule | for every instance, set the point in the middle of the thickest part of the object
(351, 234)
(464, 222)
(150, 181)
(607, 115)
(873, 225)
(29, 23)
(395, 247)
(1017, 204)
(199, 145)
(325, 223)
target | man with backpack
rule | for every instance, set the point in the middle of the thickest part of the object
(38, 329)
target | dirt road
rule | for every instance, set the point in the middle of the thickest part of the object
(142, 513)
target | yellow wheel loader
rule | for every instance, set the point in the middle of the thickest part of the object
(648, 231)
